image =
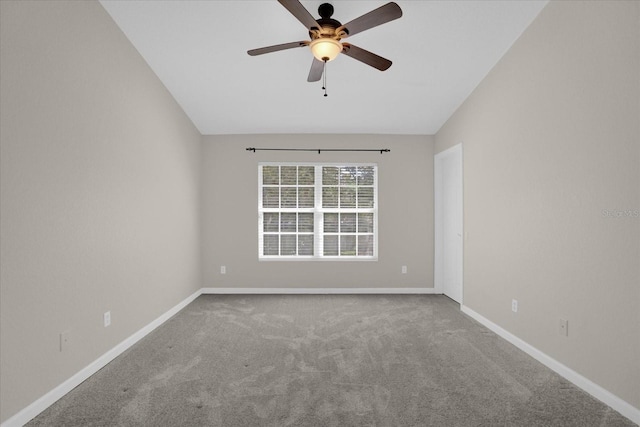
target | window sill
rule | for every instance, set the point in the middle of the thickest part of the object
(319, 259)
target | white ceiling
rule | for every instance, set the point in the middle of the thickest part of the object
(440, 50)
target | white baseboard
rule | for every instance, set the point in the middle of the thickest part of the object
(31, 411)
(318, 291)
(585, 384)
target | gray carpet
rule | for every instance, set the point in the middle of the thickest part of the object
(325, 360)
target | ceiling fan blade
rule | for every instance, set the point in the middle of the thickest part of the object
(317, 68)
(298, 10)
(277, 47)
(365, 56)
(379, 16)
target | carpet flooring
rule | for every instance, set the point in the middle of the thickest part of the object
(325, 360)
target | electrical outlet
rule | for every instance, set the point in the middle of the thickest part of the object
(64, 340)
(563, 327)
(107, 319)
(404, 269)
(223, 269)
(514, 305)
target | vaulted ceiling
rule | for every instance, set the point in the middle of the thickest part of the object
(440, 50)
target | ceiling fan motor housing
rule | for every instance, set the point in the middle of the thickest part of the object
(327, 24)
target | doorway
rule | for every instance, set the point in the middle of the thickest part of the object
(448, 192)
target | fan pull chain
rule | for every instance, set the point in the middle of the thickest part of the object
(324, 78)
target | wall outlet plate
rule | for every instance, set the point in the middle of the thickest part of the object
(107, 319)
(514, 305)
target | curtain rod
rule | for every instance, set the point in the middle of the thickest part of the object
(319, 150)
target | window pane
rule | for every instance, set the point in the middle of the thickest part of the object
(348, 223)
(306, 197)
(330, 197)
(365, 245)
(330, 175)
(330, 245)
(347, 197)
(288, 222)
(306, 175)
(305, 223)
(330, 222)
(365, 175)
(347, 245)
(288, 175)
(365, 197)
(305, 244)
(289, 197)
(288, 244)
(365, 223)
(270, 197)
(271, 221)
(270, 244)
(271, 175)
(348, 175)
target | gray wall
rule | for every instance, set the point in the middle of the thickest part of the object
(99, 194)
(230, 206)
(551, 140)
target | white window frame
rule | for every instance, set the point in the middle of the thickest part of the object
(318, 212)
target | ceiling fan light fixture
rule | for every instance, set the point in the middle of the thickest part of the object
(325, 49)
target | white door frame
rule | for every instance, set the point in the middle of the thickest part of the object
(453, 152)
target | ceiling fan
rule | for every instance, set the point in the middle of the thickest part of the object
(326, 35)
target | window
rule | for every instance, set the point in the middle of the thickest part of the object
(317, 211)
